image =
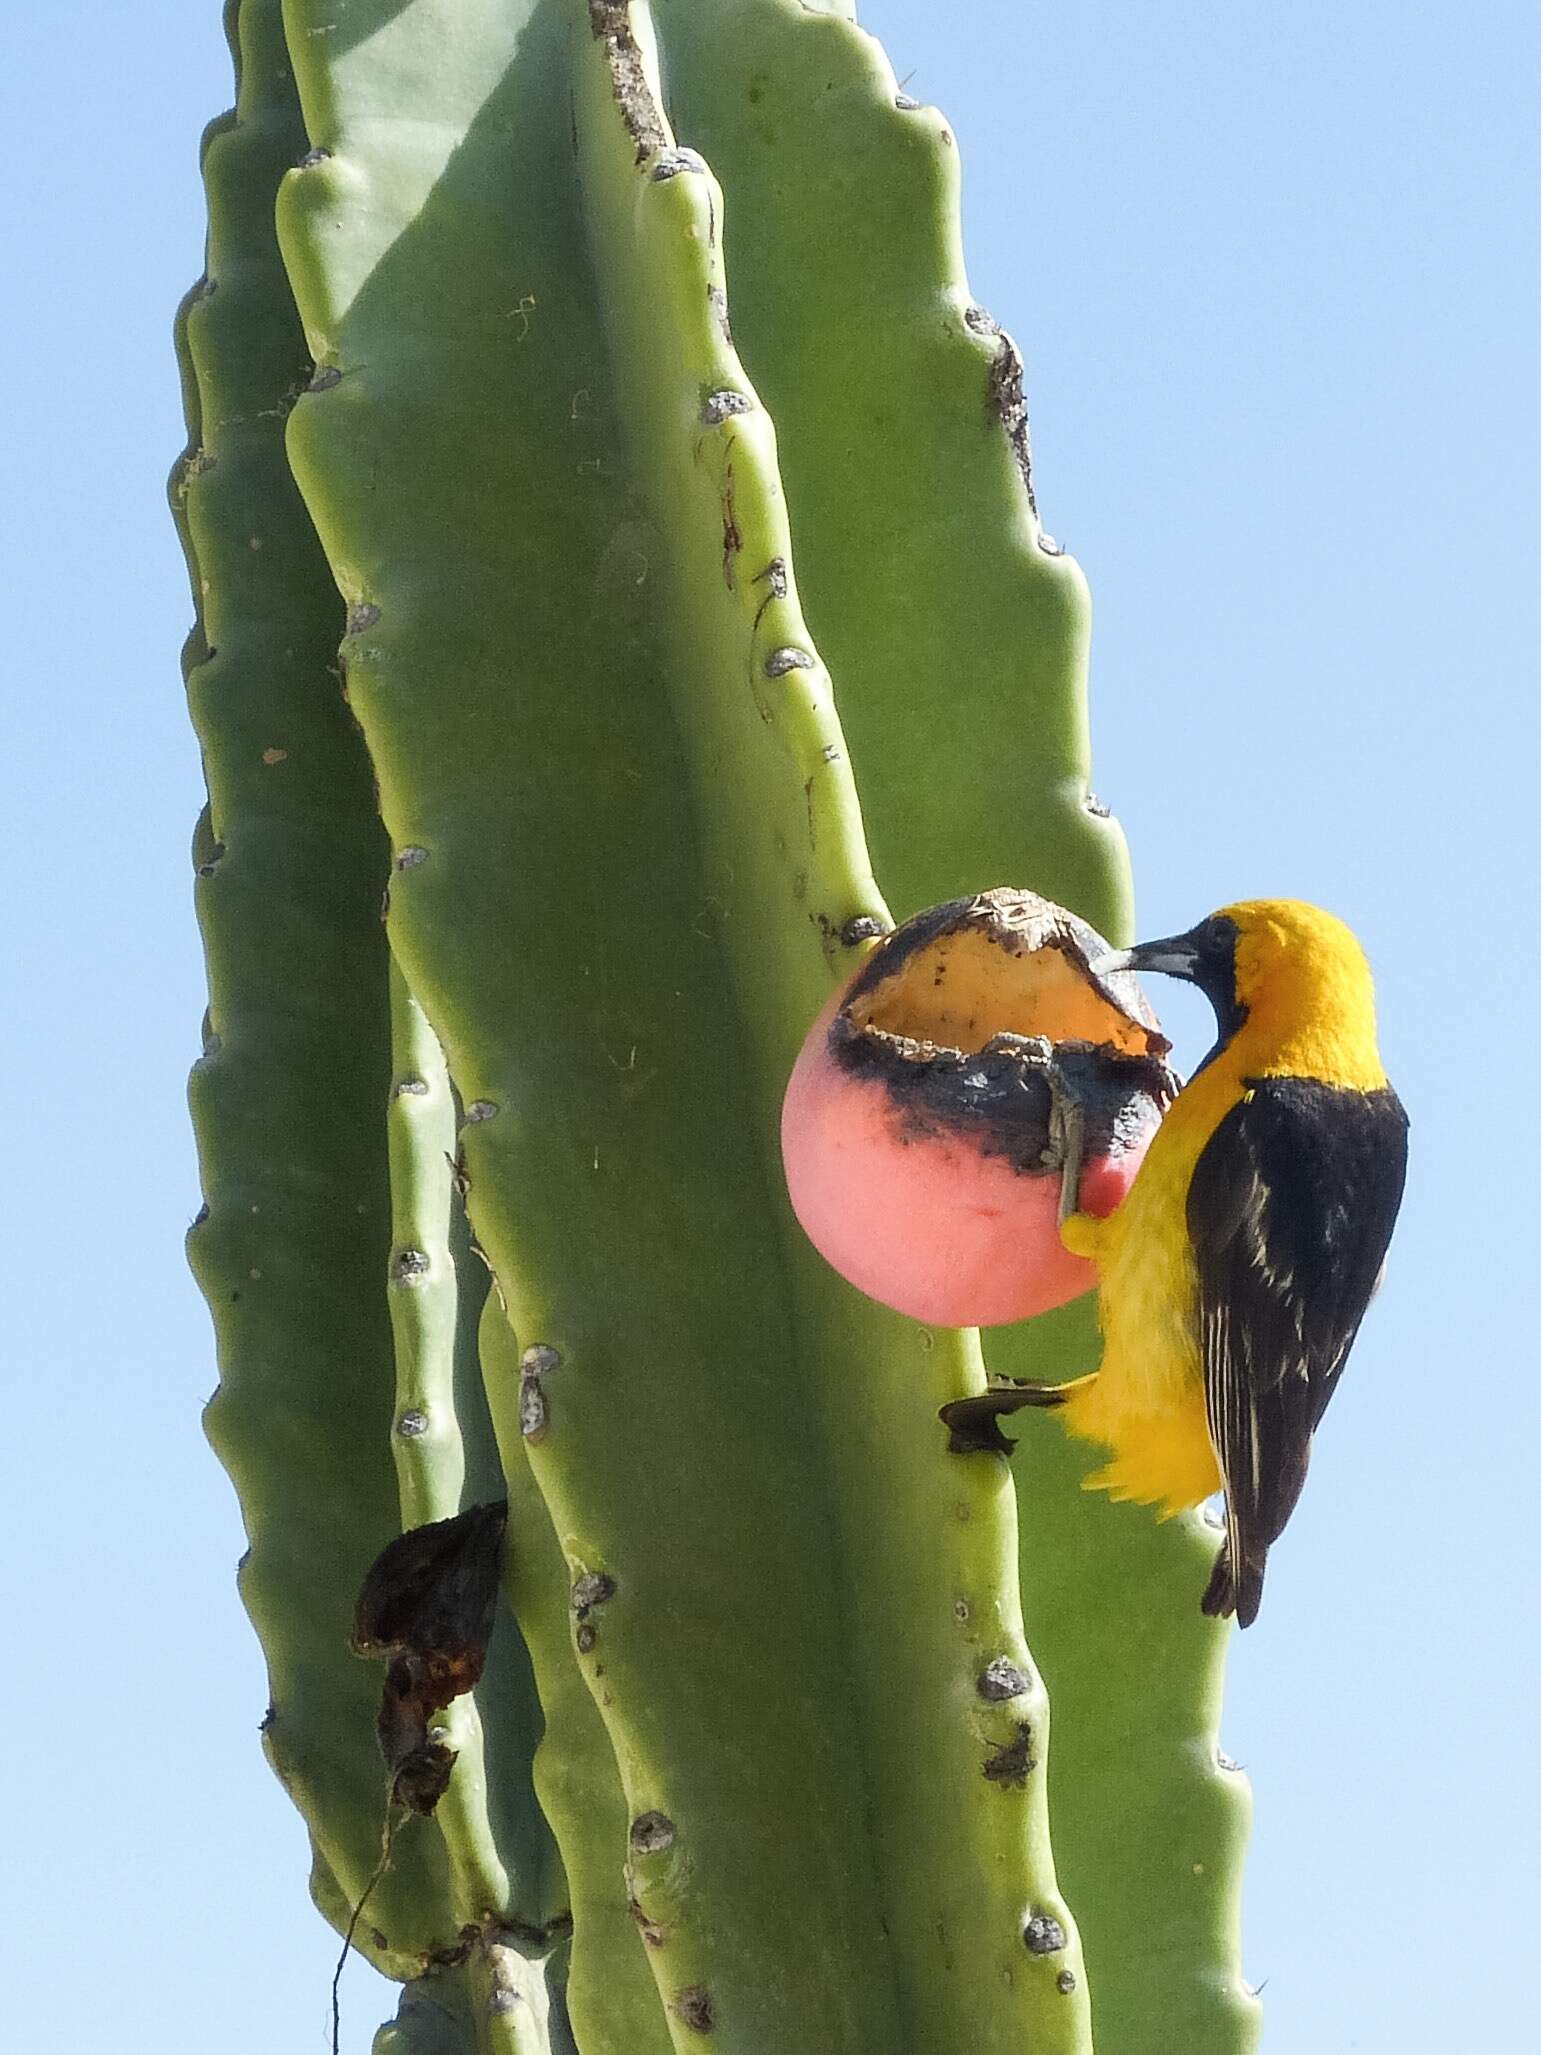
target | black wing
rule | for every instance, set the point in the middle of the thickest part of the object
(1290, 1210)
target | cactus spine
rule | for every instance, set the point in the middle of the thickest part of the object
(793, 1746)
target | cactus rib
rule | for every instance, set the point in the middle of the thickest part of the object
(436, 1287)
(984, 1951)
(286, 1098)
(1150, 1818)
(575, 1768)
(422, 1283)
(289, 1099)
(886, 381)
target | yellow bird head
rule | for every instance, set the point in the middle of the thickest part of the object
(1294, 976)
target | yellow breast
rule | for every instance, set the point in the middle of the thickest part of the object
(1147, 1402)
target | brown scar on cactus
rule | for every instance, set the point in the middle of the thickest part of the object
(1007, 1765)
(653, 1935)
(611, 24)
(732, 540)
(426, 1607)
(774, 579)
(694, 2007)
(1009, 405)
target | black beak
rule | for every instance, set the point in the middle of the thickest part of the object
(1174, 956)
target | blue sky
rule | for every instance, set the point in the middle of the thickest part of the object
(1274, 272)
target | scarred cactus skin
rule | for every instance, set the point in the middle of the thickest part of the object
(556, 693)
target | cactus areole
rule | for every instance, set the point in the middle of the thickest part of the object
(930, 1115)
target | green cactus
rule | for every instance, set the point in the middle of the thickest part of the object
(473, 439)
(287, 1099)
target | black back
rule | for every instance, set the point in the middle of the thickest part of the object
(1290, 1211)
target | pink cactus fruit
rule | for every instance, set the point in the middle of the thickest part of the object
(922, 1149)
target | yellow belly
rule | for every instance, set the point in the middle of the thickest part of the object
(1146, 1402)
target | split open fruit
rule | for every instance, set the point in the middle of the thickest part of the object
(925, 1124)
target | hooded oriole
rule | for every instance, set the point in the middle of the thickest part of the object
(1233, 1277)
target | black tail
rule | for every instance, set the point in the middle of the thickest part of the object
(1227, 1593)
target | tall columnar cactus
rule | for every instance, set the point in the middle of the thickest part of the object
(490, 503)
